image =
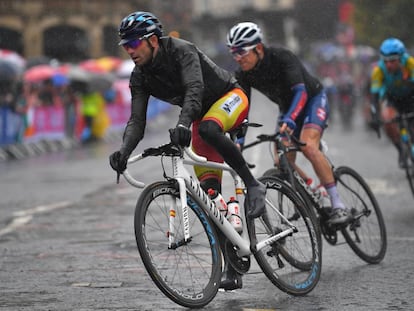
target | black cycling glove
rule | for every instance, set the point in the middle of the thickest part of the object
(180, 136)
(375, 122)
(118, 161)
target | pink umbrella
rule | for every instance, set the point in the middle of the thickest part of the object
(39, 73)
(121, 86)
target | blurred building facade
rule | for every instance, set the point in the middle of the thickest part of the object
(71, 30)
(63, 29)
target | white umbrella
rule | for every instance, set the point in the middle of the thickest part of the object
(101, 82)
(8, 71)
(125, 69)
(12, 57)
(75, 73)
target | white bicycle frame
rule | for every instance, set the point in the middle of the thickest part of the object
(188, 182)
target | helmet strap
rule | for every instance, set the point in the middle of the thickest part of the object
(258, 56)
(152, 48)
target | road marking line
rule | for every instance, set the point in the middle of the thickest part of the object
(381, 186)
(42, 209)
(23, 217)
(16, 222)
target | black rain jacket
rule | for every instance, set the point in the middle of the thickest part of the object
(179, 74)
(275, 76)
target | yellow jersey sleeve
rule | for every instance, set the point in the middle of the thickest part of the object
(410, 67)
(377, 80)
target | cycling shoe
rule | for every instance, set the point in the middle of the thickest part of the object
(256, 197)
(232, 280)
(340, 216)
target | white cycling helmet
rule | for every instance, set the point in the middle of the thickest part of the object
(244, 34)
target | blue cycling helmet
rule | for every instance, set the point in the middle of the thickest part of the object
(139, 25)
(392, 46)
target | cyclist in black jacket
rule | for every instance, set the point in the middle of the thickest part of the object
(280, 75)
(210, 98)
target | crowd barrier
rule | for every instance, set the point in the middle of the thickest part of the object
(45, 125)
(10, 126)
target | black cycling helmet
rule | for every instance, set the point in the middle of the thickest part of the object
(139, 25)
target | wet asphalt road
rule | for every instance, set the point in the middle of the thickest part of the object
(67, 238)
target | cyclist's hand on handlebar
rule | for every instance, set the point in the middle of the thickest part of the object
(376, 124)
(118, 161)
(287, 124)
(180, 135)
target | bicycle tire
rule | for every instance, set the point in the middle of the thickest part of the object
(297, 270)
(293, 214)
(312, 210)
(366, 234)
(274, 171)
(408, 164)
(189, 274)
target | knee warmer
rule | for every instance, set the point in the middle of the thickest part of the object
(213, 135)
(209, 131)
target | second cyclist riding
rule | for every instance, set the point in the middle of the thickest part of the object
(365, 233)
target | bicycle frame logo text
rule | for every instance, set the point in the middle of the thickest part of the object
(195, 186)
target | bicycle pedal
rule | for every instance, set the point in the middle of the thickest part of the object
(274, 253)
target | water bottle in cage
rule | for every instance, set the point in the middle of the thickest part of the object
(218, 199)
(233, 214)
(324, 199)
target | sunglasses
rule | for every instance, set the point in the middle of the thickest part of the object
(133, 44)
(241, 52)
(390, 58)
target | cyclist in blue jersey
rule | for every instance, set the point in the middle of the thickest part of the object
(281, 76)
(392, 88)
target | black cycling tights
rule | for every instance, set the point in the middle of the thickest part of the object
(212, 133)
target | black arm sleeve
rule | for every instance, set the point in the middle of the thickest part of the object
(375, 109)
(135, 127)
